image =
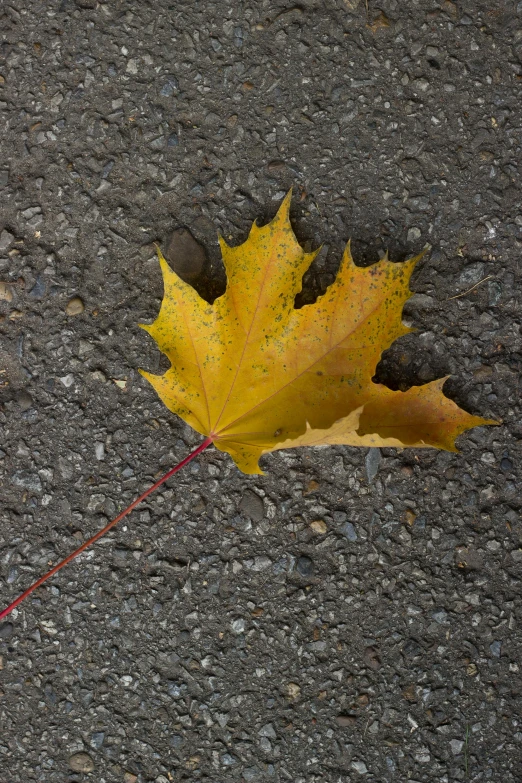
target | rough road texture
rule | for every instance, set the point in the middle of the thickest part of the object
(350, 616)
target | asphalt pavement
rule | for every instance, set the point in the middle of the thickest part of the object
(352, 615)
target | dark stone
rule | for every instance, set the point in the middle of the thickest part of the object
(38, 290)
(6, 630)
(107, 169)
(252, 506)
(468, 559)
(349, 531)
(24, 400)
(506, 465)
(412, 649)
(373, 460)
(496, 649)
(170, 86)
(97, 739)
(345, 721)
(186, 256)
(371, 658)
(305, 566)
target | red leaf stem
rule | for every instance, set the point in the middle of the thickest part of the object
(106, 529)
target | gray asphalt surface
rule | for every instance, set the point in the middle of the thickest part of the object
(350, 616)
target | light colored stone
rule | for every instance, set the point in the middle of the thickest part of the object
(414, 233)
(75, 306)
(81, 762)
(456, 746)
(319, 526)
(6, 293)
(292, 690)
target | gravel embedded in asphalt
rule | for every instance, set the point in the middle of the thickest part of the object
(350, 615)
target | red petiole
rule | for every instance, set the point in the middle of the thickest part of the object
(106, 529)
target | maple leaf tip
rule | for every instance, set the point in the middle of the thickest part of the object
(165, 266)
(283, 213)
(160, 255)
(222, 241)
(414, 260)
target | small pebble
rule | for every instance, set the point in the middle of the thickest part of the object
(5, 240)
(346, 720)
(311, 487)
(414, 233)
(84, 347)
(305, 566)
(349, 532)
(267, 731)
(6, 293)
(170, 86)
(38, 290)
(75, 306)
(409, 517)
(6, 630)
(24, 400)
(319, 526)
(472, 274)
(176, 740)
(496, 649)
(81, 762)
(27, 480)
(506, 465)
(292, 690)
(494, 292)
(97, 740)
(440, 616)
(371, 658)
(373, 460)
(252, 506)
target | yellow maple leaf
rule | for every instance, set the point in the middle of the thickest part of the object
(255, 375)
